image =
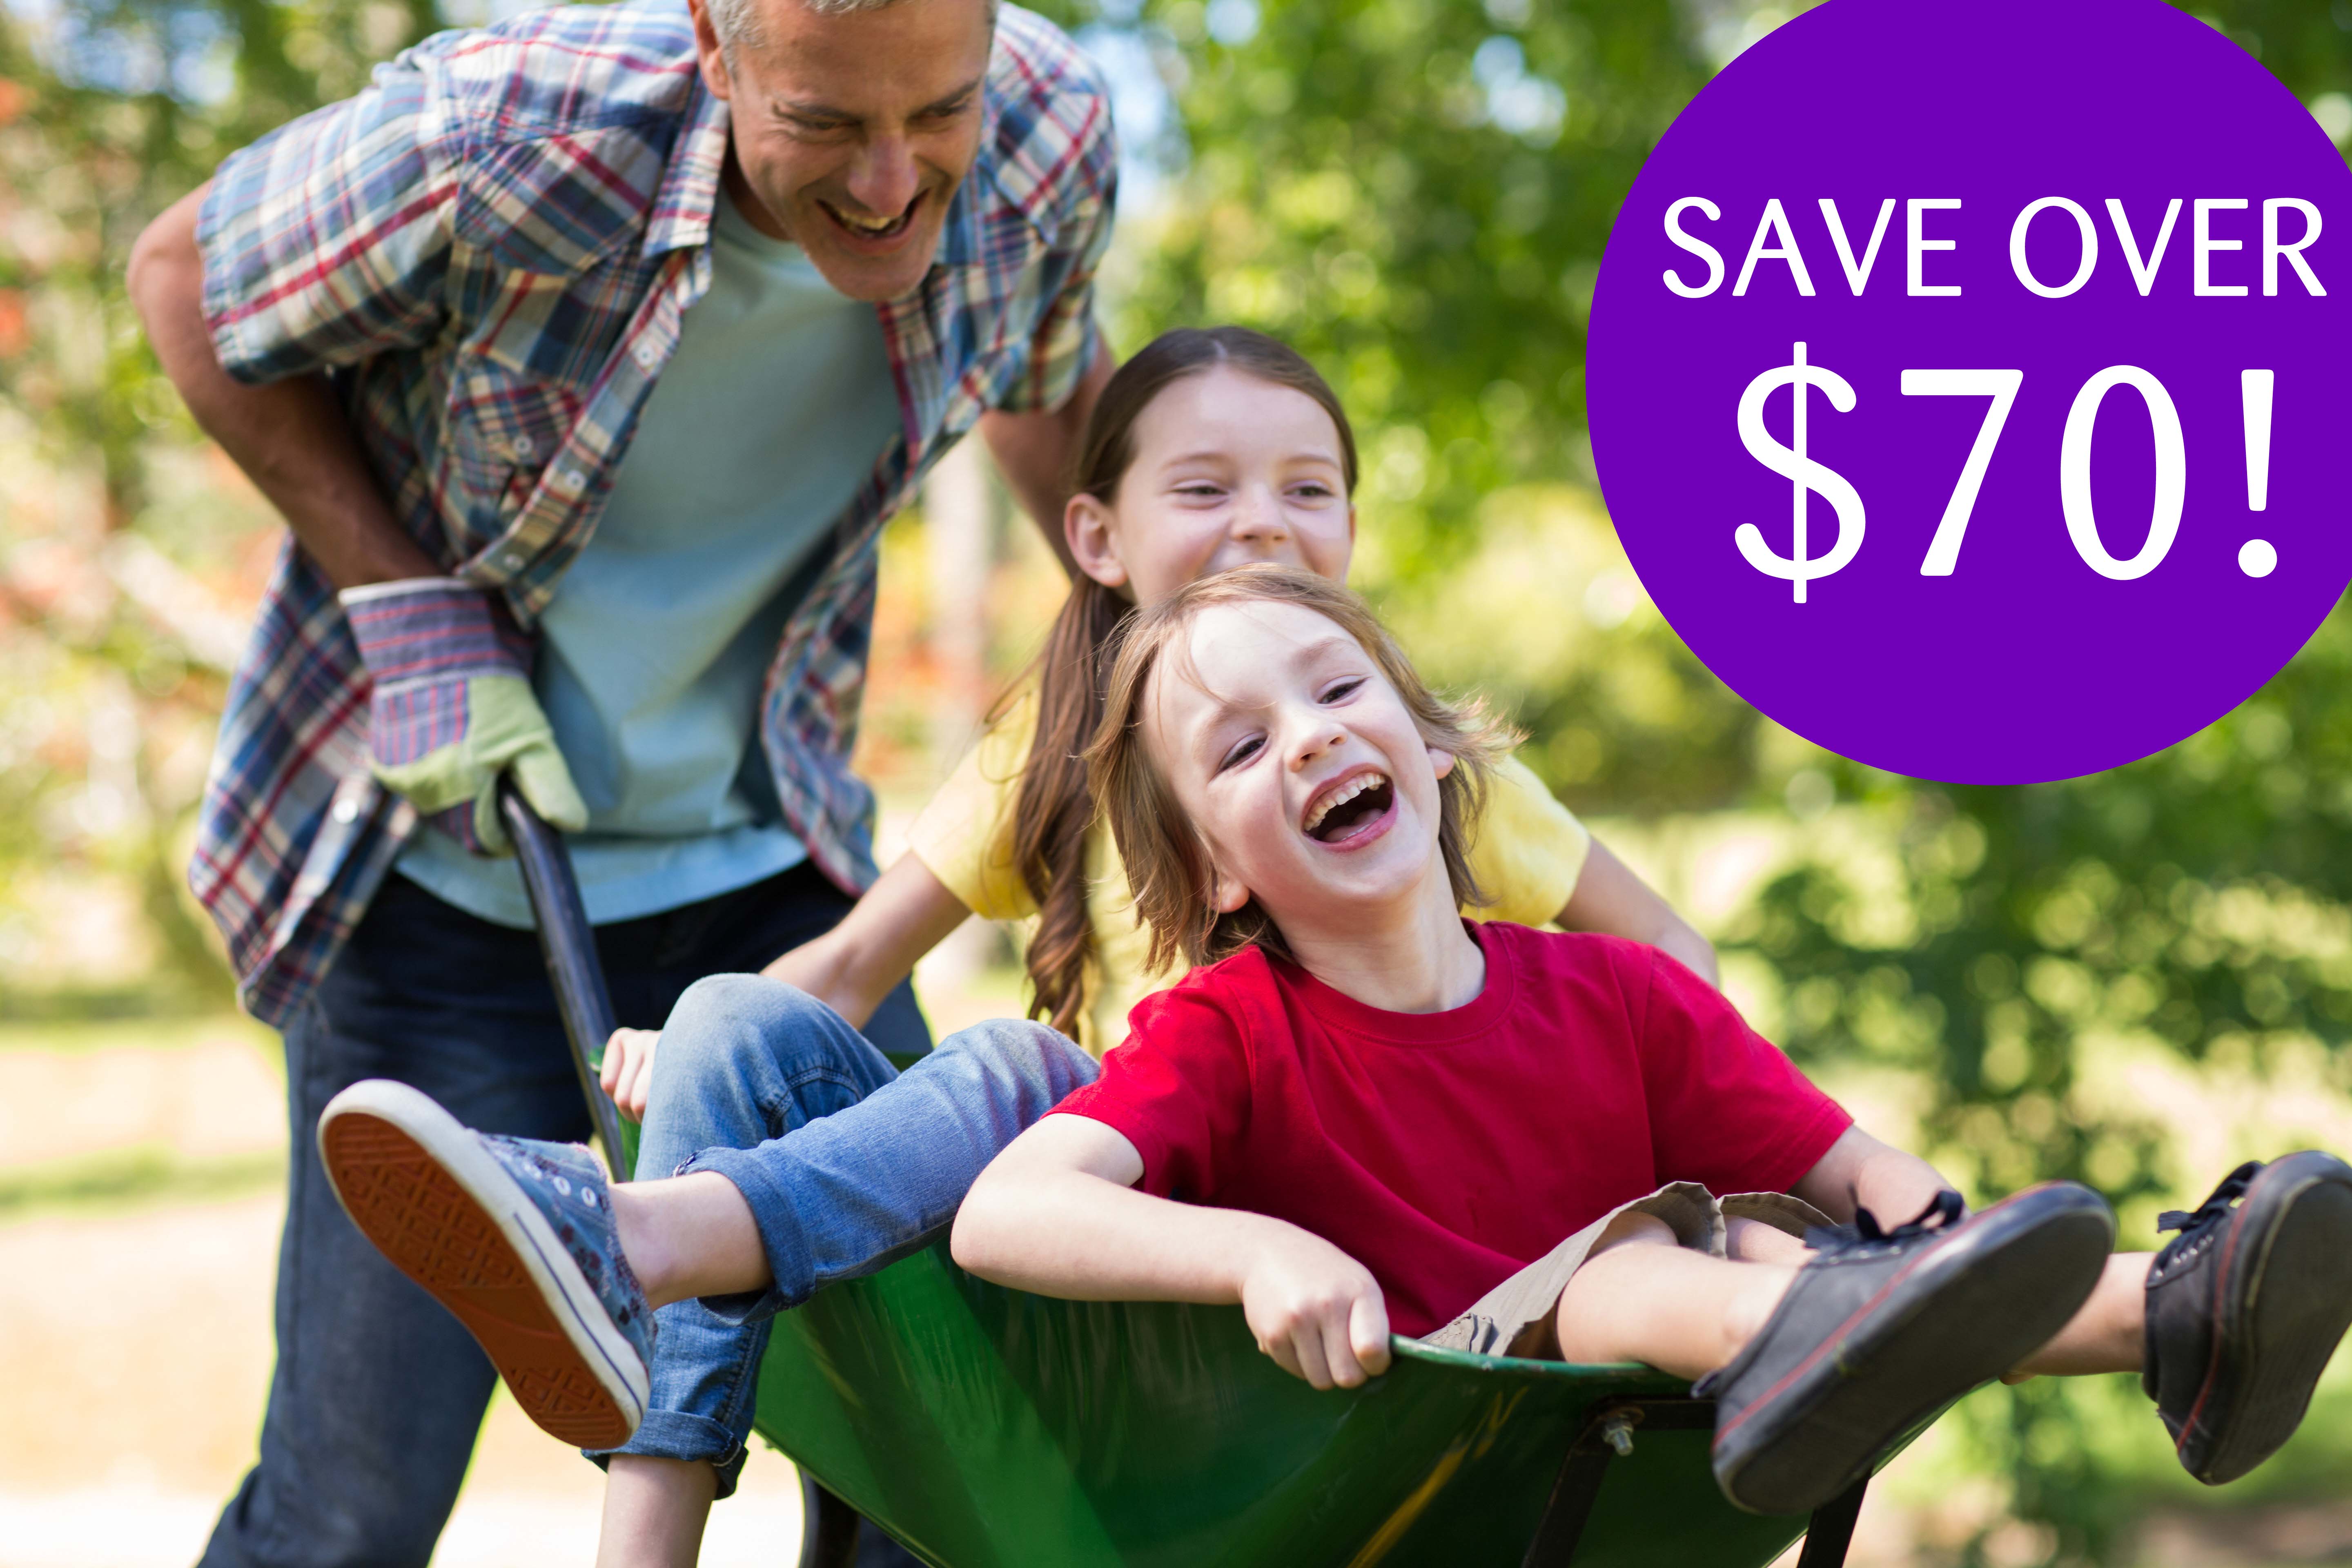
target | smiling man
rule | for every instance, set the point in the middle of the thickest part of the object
(585, 356)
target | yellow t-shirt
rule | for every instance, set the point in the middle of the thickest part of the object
(1526, 850)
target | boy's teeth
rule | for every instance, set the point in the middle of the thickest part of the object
(1342, 795)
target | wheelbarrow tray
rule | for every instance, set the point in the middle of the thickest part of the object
(983, 1426)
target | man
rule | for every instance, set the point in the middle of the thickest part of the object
(585, 356)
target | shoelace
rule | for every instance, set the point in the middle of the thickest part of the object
(1945, 1210)
(2189, 1221)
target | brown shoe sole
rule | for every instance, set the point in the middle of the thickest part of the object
(436, 1232)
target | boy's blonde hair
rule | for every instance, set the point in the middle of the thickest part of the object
(1168, 864)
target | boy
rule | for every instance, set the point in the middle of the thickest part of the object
(1380, 1116)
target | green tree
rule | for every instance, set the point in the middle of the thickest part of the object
(1417, 193)
(110, 111)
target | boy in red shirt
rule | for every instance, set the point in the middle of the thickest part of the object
(1501, 1138)
(1380, 1116)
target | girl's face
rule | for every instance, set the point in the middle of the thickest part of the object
(1228, 470)
(1300, 766)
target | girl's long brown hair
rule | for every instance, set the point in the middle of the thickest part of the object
(1167, 860)
(1054, 809)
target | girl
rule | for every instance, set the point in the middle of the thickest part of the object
(1209, 449)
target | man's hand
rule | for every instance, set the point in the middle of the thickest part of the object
(453, 709)
(627, 1070)
(1316, 1312)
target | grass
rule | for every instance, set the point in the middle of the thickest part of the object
(126, 1177)
(170, 1032)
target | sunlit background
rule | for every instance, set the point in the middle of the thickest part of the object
(2135, 979)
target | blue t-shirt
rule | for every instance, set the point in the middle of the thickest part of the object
(774, 409)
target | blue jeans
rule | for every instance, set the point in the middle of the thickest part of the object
(847, 1164)
(378, 1392)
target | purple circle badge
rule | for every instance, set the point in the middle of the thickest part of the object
(1970, 388)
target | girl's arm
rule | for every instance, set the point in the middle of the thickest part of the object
(904, 915)
(1057, 1213)
(1610, 898)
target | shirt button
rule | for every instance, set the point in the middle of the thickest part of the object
(573, 480)
(512, 560)
(346, 810)
(645, 355)
(522, 447)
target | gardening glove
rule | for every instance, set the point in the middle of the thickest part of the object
(453, 709)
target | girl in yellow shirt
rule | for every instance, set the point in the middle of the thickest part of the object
(1209, 449)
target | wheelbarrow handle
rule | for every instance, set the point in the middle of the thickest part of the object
(569, 944)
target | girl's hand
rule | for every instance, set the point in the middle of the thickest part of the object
(1316, 1312)
(627, 1070)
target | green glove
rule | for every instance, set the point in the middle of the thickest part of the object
(453, 709)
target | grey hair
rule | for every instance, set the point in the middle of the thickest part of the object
(737, 22)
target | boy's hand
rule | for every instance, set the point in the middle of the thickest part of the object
(627, 1070)
(1318, 1312)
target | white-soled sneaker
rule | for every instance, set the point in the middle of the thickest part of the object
(516, 1238)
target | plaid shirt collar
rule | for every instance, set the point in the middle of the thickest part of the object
(688, 194)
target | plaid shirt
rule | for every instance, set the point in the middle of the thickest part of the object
(491, 251)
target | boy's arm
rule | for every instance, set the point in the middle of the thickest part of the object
(1057, 1214)
(1861, 1171)
(1609, 898)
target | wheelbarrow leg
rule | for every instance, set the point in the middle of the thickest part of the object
(1573, 1497)
(1832, 1530)
(828, 1528)
(1608, 1431)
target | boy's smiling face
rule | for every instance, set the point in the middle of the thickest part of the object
(1299, 764)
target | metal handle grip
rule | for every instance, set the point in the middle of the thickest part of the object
(569, 944)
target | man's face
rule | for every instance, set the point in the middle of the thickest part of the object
(852, 131)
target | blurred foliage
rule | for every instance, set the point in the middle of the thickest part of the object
(1416, 192)
(117, 546)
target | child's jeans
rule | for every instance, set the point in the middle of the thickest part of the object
(847, 1164)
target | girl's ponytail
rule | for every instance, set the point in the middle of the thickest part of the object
(1054, 812)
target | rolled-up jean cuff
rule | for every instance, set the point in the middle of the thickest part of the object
(791, 1270)
(676, 1435)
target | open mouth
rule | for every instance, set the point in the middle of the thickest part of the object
(1348, 807)
(872, 228)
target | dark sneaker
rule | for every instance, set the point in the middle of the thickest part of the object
(2245, 1306)
(513, 1236)
(1882, 1329)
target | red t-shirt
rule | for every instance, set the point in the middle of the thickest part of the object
(1447, 1151)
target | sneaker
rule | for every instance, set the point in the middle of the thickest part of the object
(1881, 1329)
(2245, 1306)
(513, 1236)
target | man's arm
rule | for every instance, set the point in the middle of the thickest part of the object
(1058, 1213)
(290, 437)
(1037, 452)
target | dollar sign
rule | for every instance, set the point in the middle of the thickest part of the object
(1791, 463)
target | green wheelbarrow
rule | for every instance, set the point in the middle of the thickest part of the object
(990, 1428)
